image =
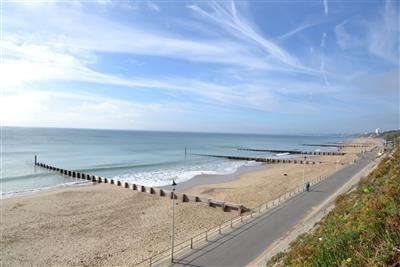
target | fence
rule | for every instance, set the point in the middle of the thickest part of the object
(225, 226)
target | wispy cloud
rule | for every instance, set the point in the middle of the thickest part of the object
(214, 57)
(228, 16)
(379, 36)
(37, 63)
(296, 30)
(82, 34)
(82, 110)
(322, 65)
(153, 7)
(326, 10)
(383, 34)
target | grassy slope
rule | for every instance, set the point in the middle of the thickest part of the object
(362, 230)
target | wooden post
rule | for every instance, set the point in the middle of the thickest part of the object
(224, 207)
(191, 243)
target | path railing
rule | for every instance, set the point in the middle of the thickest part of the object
(225, 227)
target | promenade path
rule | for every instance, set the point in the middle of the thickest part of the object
(242, 245)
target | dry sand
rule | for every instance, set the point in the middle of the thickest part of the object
(255, 188)
(109, 225)
(95, 225)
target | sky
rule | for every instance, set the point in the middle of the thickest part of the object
(205, 66)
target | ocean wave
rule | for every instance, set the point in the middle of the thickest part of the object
(181, 174)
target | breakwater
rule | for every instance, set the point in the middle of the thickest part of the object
(297, 152)
(265, 160)
(225, 206)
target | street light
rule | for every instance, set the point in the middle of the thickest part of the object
(173, 221)
(304, 167)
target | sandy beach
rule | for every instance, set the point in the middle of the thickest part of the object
(109, 225)
(95, 225)
(255, 188)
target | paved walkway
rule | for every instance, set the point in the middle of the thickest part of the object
(244, 244)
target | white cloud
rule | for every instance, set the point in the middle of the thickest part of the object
(322, 65)
(344, 39)
(39, 63)
(55, 43)
(383, 34)
(227, 16)
(61, 109)
(81, 34)
(326, 11)
(296, 30)
(153, 7)
(378, 36)
(323, 38)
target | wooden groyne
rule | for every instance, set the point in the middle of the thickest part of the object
(226, 206)
(336, 145)
(265, 160)
(294, 152)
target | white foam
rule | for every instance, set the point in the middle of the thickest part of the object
(163, 177)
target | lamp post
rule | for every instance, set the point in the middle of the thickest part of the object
(304, 168)
(173, 221)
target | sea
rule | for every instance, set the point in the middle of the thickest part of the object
(143, 157)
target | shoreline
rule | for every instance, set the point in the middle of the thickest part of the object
(106, 224)
(210, 179)
(202, 179)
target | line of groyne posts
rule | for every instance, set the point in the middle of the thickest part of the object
(266, 160)
(226, 206)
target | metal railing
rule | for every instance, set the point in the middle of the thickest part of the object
(227, 225)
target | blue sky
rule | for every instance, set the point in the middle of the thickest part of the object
(215, 66)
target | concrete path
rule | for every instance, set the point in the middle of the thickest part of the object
(244, 244)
